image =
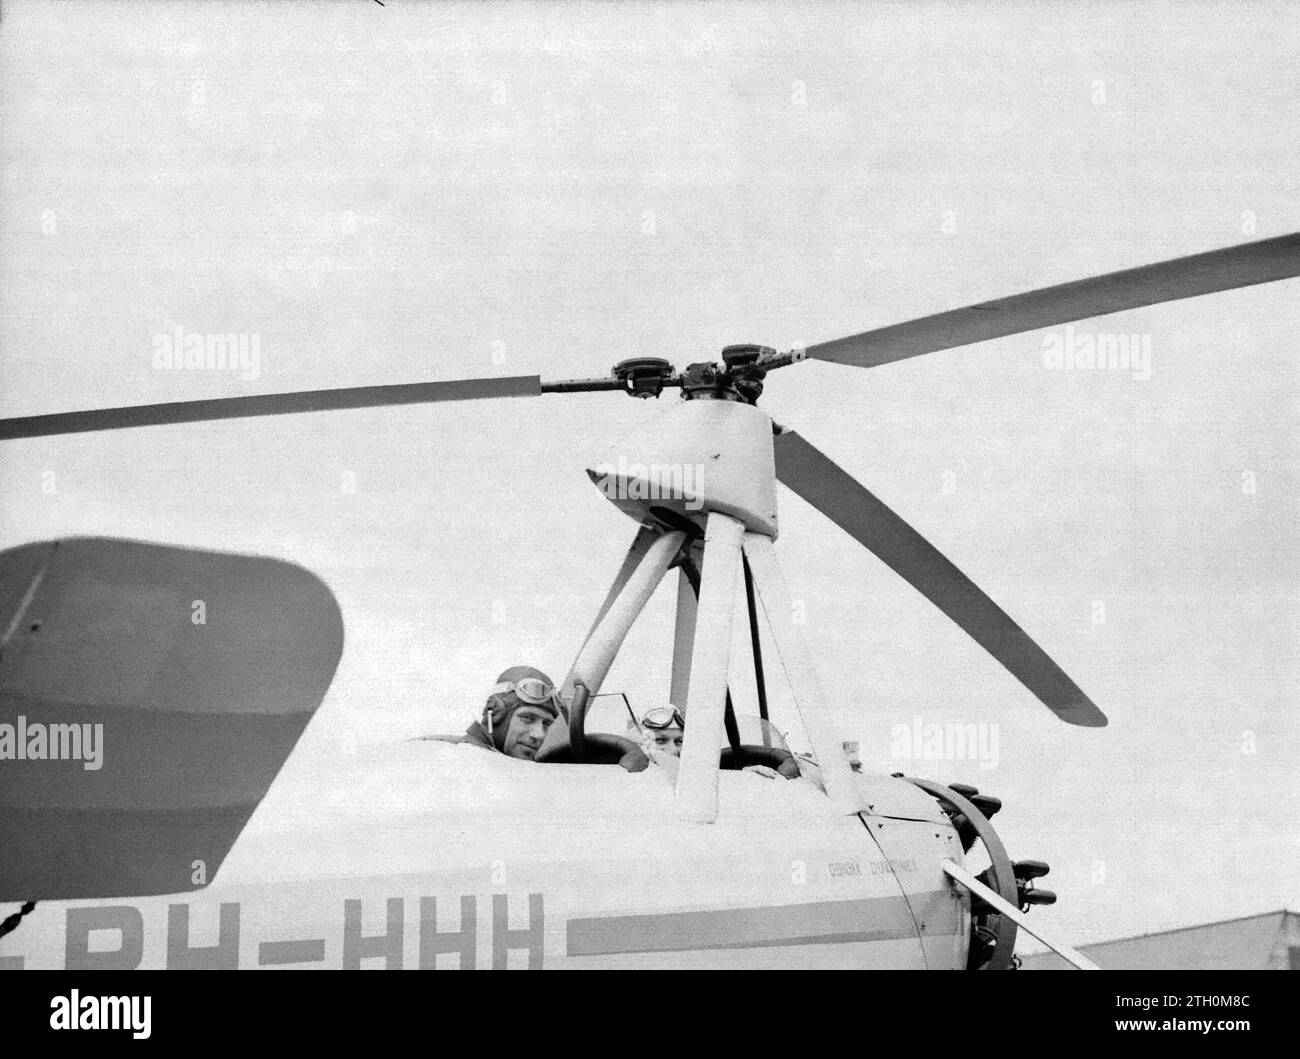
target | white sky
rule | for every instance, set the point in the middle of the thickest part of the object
(389, 194)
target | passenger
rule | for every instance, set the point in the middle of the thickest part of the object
(519, 710)
(663, 729)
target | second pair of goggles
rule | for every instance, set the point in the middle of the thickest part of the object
(532, 690)
(664, 717)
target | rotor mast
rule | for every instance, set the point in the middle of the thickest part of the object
(702, 477)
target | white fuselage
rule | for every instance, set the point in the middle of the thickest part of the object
(428, 854)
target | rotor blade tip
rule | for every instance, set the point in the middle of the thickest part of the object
(1084, 715)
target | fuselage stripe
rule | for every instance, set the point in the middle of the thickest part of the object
(820, 923)
(276, 953)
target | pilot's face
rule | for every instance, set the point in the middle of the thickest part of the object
(668, 741)
(528, 725)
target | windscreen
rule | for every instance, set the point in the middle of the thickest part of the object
(613, 713)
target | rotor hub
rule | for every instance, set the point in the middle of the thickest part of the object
(738, 378)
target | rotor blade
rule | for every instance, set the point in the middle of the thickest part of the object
(1185, 277)
(147, 415)
(847, 503)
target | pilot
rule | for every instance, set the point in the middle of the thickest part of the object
(519, 710)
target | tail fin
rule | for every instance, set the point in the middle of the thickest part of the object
(148, 697)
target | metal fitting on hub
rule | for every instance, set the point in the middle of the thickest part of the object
(643, 376)
(739, 356)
